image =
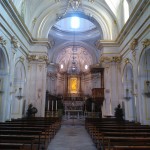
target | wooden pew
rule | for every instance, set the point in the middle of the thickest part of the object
(12, 146)
(19, 139)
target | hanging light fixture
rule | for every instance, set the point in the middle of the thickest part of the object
(127, 97)
(20, 95)
(74, 49)
(147, 82)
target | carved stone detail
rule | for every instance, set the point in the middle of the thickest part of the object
(40, 67)
(15, 42)
(127, 60)
(106, 59)
(52, 76)
(133, 45)
(38, 58)
(146, 43)
(2, 41)
(21, 58)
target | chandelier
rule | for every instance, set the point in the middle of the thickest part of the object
(74, 49)
(20, 95)
(127, 92)
(147, 82)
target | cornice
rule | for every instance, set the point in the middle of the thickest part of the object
(39, 58)
(106, 59)
(134, 17)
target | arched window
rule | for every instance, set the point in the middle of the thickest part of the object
(126, 10)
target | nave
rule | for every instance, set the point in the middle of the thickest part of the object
(72, 136)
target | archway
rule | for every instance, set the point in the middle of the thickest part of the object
(18, 103)
(128, 93)
(4, 108)
(144, 76)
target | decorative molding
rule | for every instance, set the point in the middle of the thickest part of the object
(127, 60)
(52, 76)
(106, 59)
(40, 67)
(2, 41)
(146, 43)
(133, 46)
(21, 58)
(15, 42)
(38, 58)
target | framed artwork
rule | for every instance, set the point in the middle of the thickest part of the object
(73, 85)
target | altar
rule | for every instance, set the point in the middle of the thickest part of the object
(73, 109)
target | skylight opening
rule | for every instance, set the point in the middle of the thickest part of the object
(75, 22)
(126, 10)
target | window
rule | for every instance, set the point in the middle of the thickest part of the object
(126, 10)
(75, 22)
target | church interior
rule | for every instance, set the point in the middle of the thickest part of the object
(71, 64)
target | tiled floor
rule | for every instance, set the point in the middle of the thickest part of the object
(72, 136)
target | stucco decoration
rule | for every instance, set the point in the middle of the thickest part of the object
(15, 42)
(133, 46)
(2, 41)
(106, 59)
(38, 58)
(146, 43)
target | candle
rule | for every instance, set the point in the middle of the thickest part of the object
(56, 105)
(92, 107)
(52, 105)
(48, 105)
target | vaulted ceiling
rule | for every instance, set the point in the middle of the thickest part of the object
(47, 19)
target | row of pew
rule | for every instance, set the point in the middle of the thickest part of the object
(28, 133)
(109, 134)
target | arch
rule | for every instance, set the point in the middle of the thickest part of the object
(143, 76)
(90, 50)
(4, 70)
(18, 104)
(128, 83)
(47, 19)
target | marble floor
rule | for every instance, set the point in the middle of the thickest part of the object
(72, 136)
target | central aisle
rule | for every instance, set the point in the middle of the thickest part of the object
(72, 136)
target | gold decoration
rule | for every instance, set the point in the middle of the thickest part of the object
(116, 59)
(34, 21)
(21, 59)
(15, 42)
(133, 44)
(146, 43)
(106, 59)
(38, 58)
(127, 60)
(2, 41)
(98, 44)
(73, 85)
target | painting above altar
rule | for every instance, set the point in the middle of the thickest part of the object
(73, 85)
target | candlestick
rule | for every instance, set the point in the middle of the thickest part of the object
(48, 106)
(52, 105)
(56, 105)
